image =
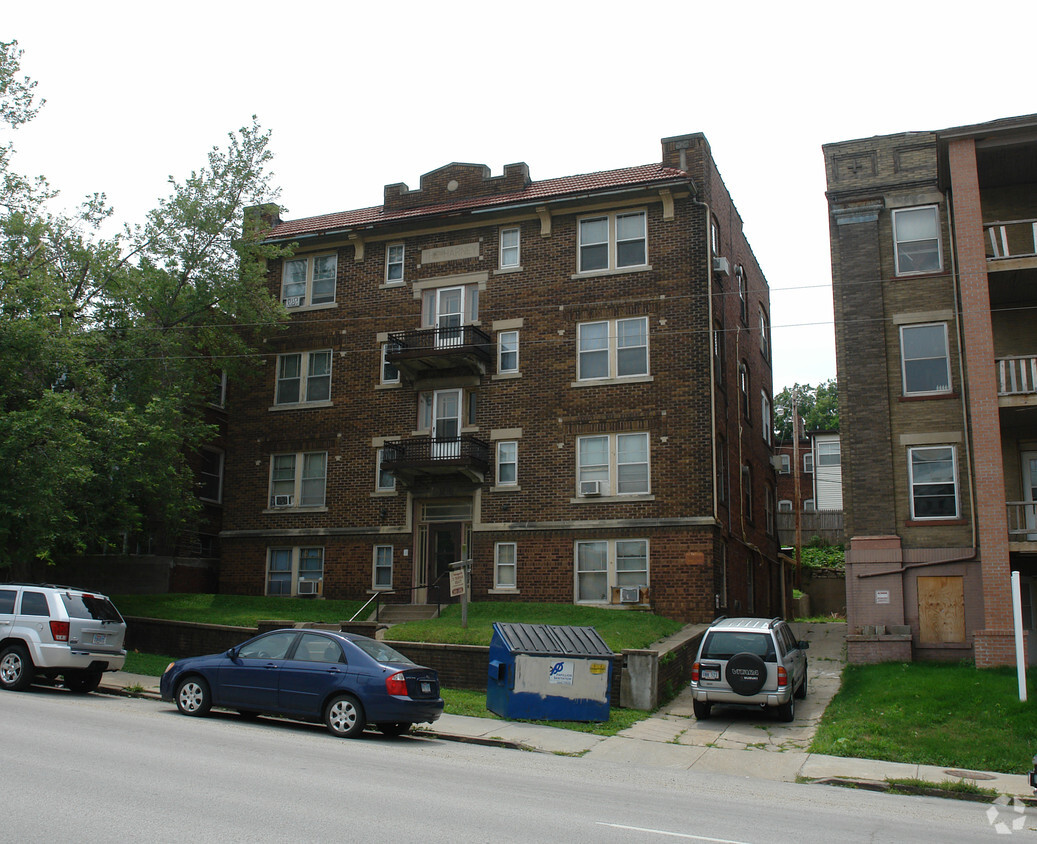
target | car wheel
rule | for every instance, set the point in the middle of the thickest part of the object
(15, 668)
(396, 728)
(193, 697)
(82, 682)
(344, 716)
(745, 673)
(701, 708)
(801, 692)
(787, 711)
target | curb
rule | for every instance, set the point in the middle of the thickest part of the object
(920, 791)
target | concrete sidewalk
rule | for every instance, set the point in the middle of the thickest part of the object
(737, 742)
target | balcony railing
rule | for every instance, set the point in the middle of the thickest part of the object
(1011, 239)
(1022, 520)
(428, 351)
(1017, 376)
(437, 456)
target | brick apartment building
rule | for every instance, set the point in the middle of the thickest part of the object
(934, 261)
(809, 476)
(567, 382)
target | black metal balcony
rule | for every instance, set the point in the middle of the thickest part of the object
(437, 352)
(426, 459)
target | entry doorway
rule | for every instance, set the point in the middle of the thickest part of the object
(444, 537)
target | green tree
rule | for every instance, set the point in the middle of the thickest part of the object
(818, 406)
(110, 345)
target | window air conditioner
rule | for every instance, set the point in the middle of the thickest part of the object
(590, 488)
(721, 266)
(283, 500)
(308, 587)
(293, 302)
(629, 594)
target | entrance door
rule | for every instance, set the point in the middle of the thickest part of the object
(1030, 492)
(449, 316)
(446, 423)
(444, 548)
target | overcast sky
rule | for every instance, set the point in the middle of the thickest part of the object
(360, 95)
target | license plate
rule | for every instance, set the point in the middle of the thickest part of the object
(710, 673)
(426, 688)
(100, 638)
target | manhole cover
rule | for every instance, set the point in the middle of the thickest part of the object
(970, 775)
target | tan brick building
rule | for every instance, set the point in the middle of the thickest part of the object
(934, 260)
(567, 382)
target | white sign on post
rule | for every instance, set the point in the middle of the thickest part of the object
(456, 583)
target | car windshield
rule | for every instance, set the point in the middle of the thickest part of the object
(381, 652)
(89, 606)
(722, 644)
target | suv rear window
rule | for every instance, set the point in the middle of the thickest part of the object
(89, 606)
(721, 644)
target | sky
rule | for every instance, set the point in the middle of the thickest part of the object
(358, 96)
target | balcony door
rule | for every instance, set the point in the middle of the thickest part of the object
(446, 423)
(449, 316)
(1030, 492)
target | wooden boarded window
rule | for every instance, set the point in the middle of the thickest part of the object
(941, 609)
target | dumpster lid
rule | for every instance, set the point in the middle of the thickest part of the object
(552, 639)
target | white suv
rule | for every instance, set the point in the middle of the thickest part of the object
(47, 631)
(749, 661)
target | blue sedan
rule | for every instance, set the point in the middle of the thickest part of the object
(346, 681)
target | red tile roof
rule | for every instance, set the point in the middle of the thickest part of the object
(645, 174)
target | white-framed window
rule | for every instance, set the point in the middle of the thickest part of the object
(612, 349)
(916, 240)
(718, 351)
(714, 238)
(505, 565)
(765, 334)
(743, 390)
(743, 294)
(384, 481)
(747, 492)
(309, 281)
(617, 462)
(613, 241)
(210, 475)
(603, 564)
(808, 463)
(394, 263)
(218, 396)
(381, 577)
(303, 377)
(509, 247)
(768, 510)
(828, 453)
(765, 416)
(390, 374)
(808, 506)
(933, 478)
(785, 466)
(507, 351)
(785, 506)
(507, 463)
(298, 480)
(295, 571)
(924, 359)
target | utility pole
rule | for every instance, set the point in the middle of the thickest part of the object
(795, 483)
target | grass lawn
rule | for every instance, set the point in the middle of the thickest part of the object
(927, 713)
(235, 610)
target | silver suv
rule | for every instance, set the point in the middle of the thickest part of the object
(749, 661)
(47, 631)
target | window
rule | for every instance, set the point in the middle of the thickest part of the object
(718, 352)
(309, 281)
(603, 564)
(390, 374)
(509, 248)
(924, 359)
(768, 509)
(504, 566)
(743, 302)
(447, 309)
(743, 389)
(916, 240)
(507, 463)
(218, 396)
(394, 262)
(721, 469)
(765, 335)
(294, 571)
(808, 506)
(933, 476)
(385, 481)
(784, 506)
(808, 463)
(297, 480)
(382, 576)
(303, 377)
(714, 237)
(765, 417)
(786, 464)
(34, 603)
(828, 453)
(747, 492)
(613, 241)
(210, 475)
(613, 349)
(620, 456)
(508, 351)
